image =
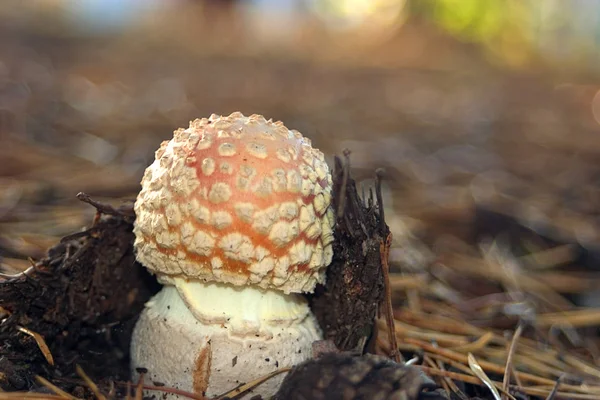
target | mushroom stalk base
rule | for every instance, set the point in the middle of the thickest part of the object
(183, 352)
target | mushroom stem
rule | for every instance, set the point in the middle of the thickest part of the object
(252, 331)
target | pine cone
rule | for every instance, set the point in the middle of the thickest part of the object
(343, 376)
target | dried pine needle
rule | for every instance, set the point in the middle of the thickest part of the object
(40, 342)
(139, 389)
(93, 387)
(446, 329)
(15, 275)
(461, 377)
(509, 358)
(406, 330)
(29, 396)
(494, 271)
(54, 388)
(128, 397)
(529, 354)
(247, 386)
(438, 323)
(455, 364)
(562, 395)
(387, 307)
(488, 366)
(480, 373)
(552, 394)
(575, 318)
(164, 389)
(477, 345)
(581, 365)
(399, 282)
(445, 381)
(448, 382)
(549, 258)
(527, 390)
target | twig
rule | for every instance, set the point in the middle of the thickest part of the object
(78, 235)
(384, 250)
(103, 208)
(36, 267)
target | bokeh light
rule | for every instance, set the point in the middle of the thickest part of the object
(370, 15)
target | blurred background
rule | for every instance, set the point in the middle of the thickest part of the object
(465, 103)
(484, 114)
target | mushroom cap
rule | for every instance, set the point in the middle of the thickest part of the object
(238, 200)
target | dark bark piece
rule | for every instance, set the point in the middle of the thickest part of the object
(348, 304)
(344, 376)
(83, 299)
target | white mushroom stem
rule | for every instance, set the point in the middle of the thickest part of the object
(207, 338)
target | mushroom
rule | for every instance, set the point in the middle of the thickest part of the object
(235, 220)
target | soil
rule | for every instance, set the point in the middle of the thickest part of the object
(83, 299)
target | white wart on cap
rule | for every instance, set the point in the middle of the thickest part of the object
(238, 200)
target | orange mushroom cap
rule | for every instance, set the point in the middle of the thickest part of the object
(238, 200)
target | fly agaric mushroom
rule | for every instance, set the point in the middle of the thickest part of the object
(234, 218)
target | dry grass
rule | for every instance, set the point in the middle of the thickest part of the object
(540, 350)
